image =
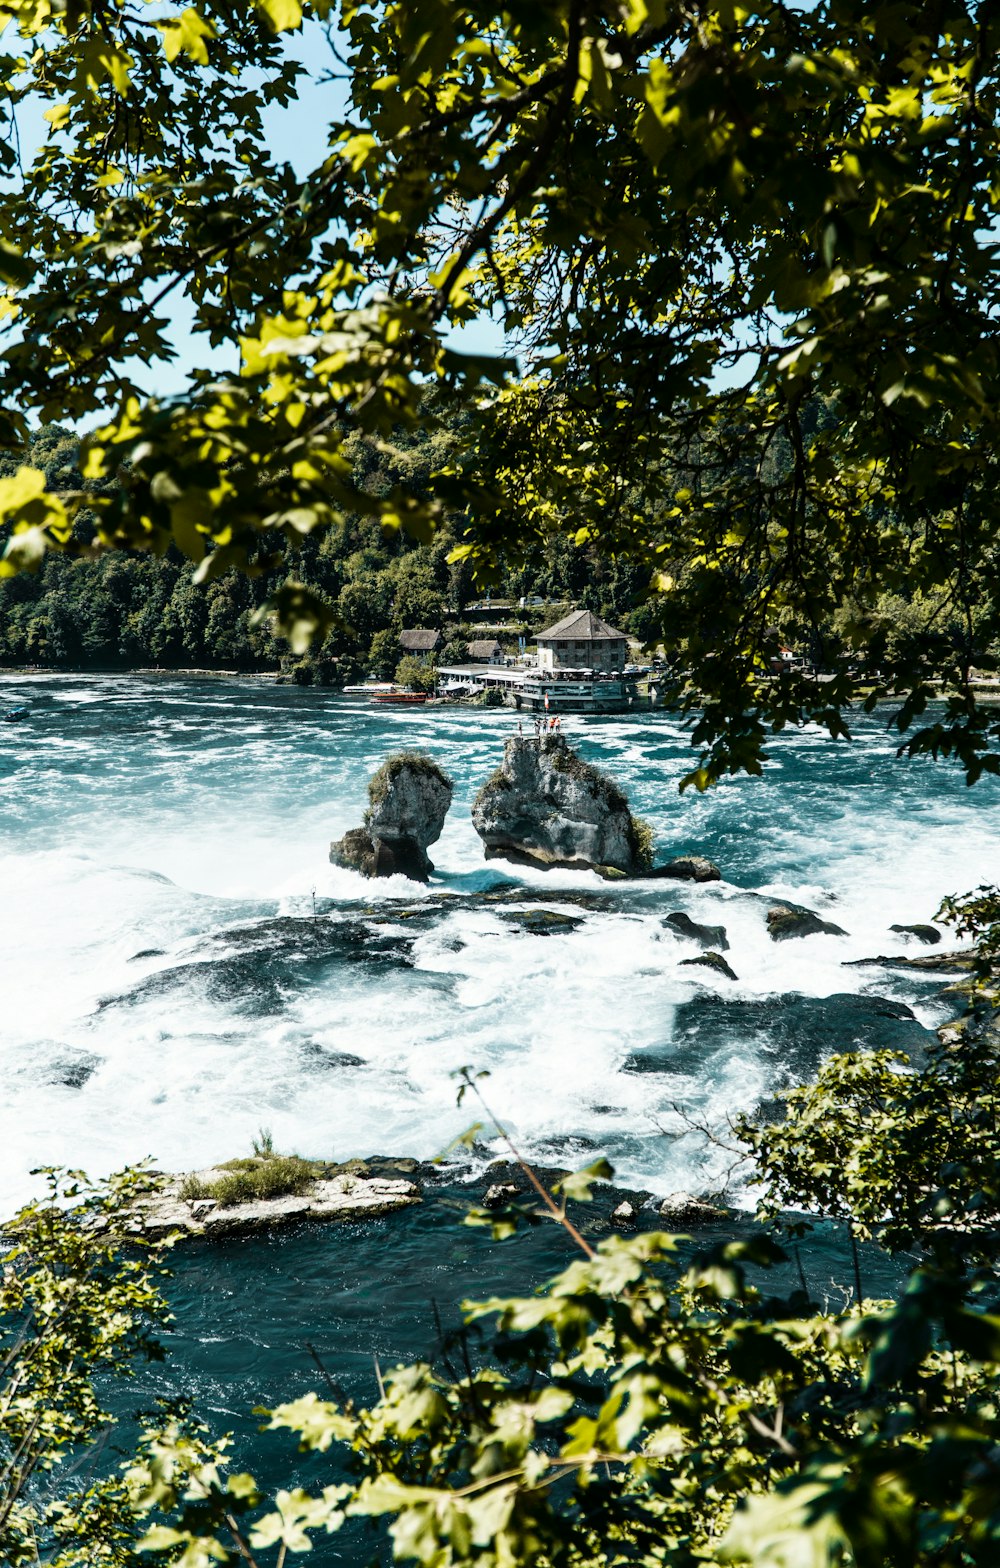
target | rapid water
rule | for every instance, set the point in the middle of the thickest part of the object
(181, 965)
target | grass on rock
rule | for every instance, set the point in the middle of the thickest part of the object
(643, 841)
(253, 1178)
(408, 761)
(497, 780)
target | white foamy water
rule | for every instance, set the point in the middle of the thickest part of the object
(180, 964)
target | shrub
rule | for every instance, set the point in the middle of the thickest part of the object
(455, 651)
(263, 1144)
(642, 839)
(497, 780)
(413, 672)
(249, 1180)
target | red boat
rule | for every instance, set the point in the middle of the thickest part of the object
(404, 699)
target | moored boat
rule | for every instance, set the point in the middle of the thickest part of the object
(405, 699)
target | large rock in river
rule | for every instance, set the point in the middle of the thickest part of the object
(408, 798)
(688, 868)
(705, 936)
(713, 961)
(929, 935)
(545, 806)
(789, 920)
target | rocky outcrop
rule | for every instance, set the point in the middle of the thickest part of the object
(947, 963)
(408, 798)
(786, 920)
(705, 936)
(624, 1215)
(544, 806)
(980, 1021)
(342, 1196)
(929, 935)
(688, 868)
(712, 961)
(499, 1194)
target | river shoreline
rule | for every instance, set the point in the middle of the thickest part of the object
(277, 676)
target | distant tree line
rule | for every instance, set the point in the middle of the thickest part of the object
(126, 610)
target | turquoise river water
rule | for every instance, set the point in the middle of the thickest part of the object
(181, 965)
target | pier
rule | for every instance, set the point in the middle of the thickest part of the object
(533, 690)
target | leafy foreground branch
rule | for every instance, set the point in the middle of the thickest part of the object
(741, 261)
(651, 1405)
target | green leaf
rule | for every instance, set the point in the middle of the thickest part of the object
(283, 15)
(299, 615)
(795, 1526)
(187, 34)
(465, 1140)
(579, 1183)
(14, 268)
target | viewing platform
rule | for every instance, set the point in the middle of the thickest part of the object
(566, 690)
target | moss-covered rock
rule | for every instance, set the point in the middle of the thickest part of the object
(713, 961)
(688, 868)
(543, 922)
(403, 768)
(785, 921)
(705, 936)
(260, 1193)
(930, 935)
(546, 806)
(408, 797)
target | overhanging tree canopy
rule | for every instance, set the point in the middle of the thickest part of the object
(745, 256)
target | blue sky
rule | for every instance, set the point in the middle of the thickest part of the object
(297, 135)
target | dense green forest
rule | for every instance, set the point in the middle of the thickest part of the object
(132, 610)
(126, 610)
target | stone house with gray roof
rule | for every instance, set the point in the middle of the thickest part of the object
(486, 650)
(582, 640)
(420, 643)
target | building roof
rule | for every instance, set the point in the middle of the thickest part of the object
(581, 626)
(420, 640)
(483, 647)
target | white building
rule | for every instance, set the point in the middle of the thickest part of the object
(582, 641)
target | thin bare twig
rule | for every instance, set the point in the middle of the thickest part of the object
(550, 1203)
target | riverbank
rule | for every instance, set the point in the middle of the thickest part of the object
(275, 675)
(140, 673)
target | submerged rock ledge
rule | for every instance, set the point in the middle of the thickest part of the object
(371, 1188)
